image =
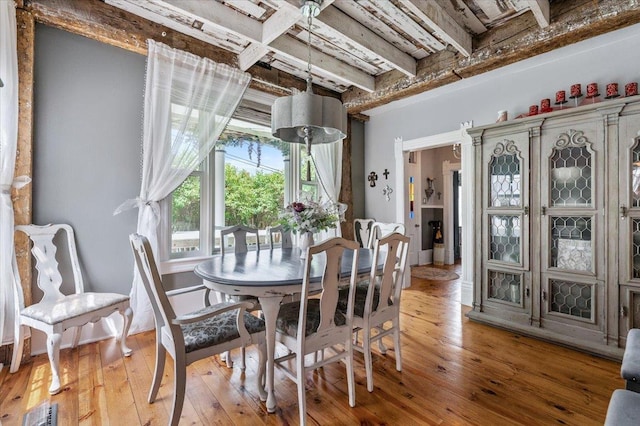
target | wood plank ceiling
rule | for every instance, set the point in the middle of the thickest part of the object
(375, 51)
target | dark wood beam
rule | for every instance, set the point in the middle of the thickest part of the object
(520, 38)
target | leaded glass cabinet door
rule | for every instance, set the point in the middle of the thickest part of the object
(572, 222)
(506, 223)
(629, 224)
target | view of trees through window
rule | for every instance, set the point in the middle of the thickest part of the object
(254, 182)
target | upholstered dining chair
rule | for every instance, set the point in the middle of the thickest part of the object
(285, 237)
(190, 337)
(57, 312)
(377, 301)
(240, 245)
(382, 229)
(314, 324)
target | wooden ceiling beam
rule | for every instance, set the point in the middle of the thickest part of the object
(366, 40)
(541, 11)
(444, 26)
(297, 51)
(518, 39)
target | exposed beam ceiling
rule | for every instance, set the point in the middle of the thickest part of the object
(368, 52)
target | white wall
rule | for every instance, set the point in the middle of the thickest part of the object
(608, 58)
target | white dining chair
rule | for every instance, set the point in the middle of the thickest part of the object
(362, 231)
(377, 301)
(382, 229)
(57, 312)
(240, 234)
(199, 334)
(286, 241)
(314, 324)
(240, 245)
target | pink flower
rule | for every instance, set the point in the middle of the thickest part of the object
(298, 207)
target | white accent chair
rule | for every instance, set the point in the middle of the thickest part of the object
(377, 300)
(57, 312)
(191, 337)
(314, 324)
(382, 229)
(285, 237)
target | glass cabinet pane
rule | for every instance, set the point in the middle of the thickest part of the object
(635, 247)
(571, 177)
(504, 286)
(571, 243)
(504, 173)
(574, 299)
(504, 238)
(635, 175)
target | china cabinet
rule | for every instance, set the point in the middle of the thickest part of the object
(559, 225)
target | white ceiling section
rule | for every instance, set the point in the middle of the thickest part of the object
(353, 40)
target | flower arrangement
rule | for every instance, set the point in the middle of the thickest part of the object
(309, 216)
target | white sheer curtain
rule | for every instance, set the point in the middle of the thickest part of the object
(188, 102)
(327, 158)
(9, 277)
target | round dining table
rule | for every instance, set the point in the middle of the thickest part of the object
(270, 275)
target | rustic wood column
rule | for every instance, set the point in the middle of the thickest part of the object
(346, 191)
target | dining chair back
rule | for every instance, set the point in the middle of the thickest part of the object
(285, 237)
(377, 300)
(382, 229)
(190, 337)
(362, 231)
(239, 232)
(314, 324)
(56, 311)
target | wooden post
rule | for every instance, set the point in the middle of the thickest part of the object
(346, 191)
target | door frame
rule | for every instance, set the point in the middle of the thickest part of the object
(460, 136)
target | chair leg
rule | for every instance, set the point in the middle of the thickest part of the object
(368, 362)
(180, 384)
(381, 345)
(262, 361)
(161, 356)
(75, 336)
(226, 356)
(300, 381)
(126, 316)
(243, 364)
(350, 378)
(18, 346)
(396, 341)
(53, 350)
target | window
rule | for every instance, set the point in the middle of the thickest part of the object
(247, 178)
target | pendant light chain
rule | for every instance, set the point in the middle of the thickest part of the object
(309, 78)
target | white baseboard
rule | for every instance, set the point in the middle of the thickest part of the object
(466, 293)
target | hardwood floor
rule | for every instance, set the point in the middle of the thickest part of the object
(454, 372)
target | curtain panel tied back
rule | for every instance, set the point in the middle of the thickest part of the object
(188, 103)
(11, 297)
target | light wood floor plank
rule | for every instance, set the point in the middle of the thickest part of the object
(455, 372)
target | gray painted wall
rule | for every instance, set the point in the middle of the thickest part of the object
(608, 58)
(87, 142)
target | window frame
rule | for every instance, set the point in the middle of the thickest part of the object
(187, 262)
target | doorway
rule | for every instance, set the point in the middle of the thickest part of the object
(466, 208)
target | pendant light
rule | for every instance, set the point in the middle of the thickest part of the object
(306, 117)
